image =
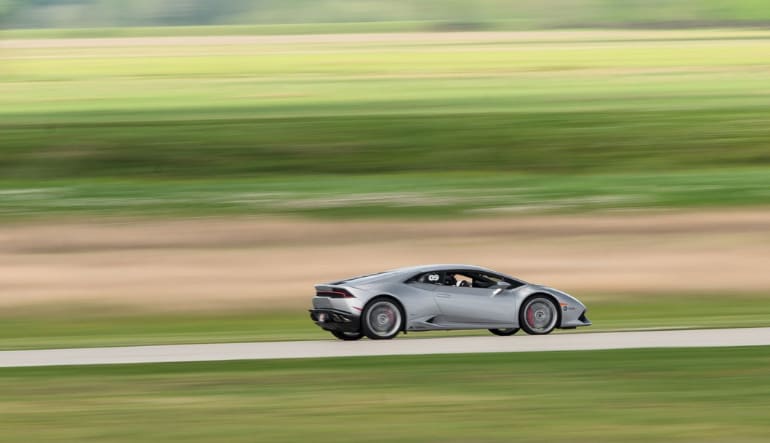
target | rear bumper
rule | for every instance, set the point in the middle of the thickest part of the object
(335, 320)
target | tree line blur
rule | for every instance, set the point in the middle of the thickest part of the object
(442, 14)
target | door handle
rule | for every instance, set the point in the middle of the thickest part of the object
(443, 295)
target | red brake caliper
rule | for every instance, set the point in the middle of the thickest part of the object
(530, 316)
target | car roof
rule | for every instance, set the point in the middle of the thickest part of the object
(410, 271)
(440, 267)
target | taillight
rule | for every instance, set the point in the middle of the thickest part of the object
(335, 293)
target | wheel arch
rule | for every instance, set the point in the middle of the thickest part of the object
(396, 300)
(551, 297)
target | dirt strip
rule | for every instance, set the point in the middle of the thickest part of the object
(225, 263)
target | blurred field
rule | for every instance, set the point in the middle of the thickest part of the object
(457, 139)
(431, 196)
(384, 124)
(122, 281)
(213, 30)
(189, 184)
(88, 325)
(592, 102)
(335, 15)
(680, 395)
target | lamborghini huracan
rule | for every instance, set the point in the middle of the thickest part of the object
(441, 297)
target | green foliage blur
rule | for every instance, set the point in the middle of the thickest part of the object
(623, 118)
(606, 103)
(437, 14)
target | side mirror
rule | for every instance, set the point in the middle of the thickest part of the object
(500, 287)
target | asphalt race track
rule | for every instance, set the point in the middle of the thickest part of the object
(398, 346)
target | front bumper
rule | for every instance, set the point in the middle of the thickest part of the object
(570, 322)
(335, 320)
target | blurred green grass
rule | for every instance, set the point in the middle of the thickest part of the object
(61, 326)
(208, 30)
(336, 16)
(673, 395)
(656, 119)
(404, 195)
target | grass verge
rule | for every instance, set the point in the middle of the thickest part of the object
(86, 326)
(676, 395)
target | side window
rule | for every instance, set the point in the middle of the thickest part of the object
(469, 279)
(488, 280)
(457, 278)
(493, 279)
(433, 278)
(430, 278)
(483, 280)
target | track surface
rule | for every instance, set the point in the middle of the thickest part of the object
(333, 348)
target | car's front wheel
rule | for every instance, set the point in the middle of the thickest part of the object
(381, 319)
(347, 335)
(504, 332)
(538, 315)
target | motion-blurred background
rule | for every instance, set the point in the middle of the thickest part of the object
(213, 170)
(184, 171)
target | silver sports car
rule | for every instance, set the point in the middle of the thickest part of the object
(441, 297)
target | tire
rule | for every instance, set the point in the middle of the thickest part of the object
(382, 319)
(538, 315)
(504, 332)
(347, 336)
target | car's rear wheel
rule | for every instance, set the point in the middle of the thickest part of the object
(504, 332)
(381, 319)
(347, 335)
(538, 315)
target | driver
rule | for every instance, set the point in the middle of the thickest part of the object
(452, 280)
